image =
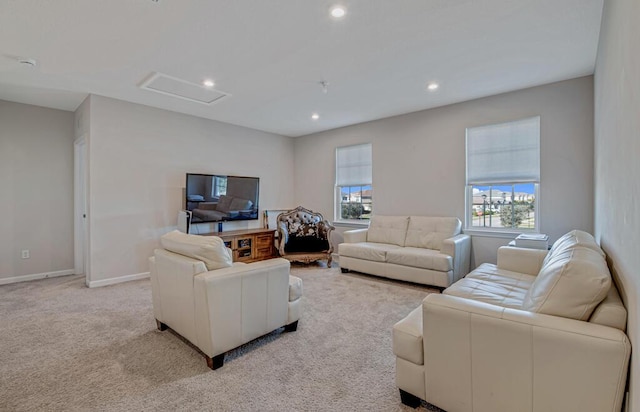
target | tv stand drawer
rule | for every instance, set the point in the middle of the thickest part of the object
(250, 245)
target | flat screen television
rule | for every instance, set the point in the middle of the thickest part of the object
(220, 198)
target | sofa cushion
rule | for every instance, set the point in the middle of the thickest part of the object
(420, 258)
(570, 284)
(388, 229)
(575, 238)
(429, 232)
(305, 244)
(491, 285)
(407, 337)
(209, 249)
(376, 252)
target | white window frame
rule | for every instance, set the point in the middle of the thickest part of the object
(338, 189)
(338, 206)
(506, 232)
(216, 186)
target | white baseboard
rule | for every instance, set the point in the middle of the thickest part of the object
(119, 279)
(36, 276)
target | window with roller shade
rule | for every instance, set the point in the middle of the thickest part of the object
(503, 176)
(354, 183)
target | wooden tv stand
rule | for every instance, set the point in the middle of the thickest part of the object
(249, 245)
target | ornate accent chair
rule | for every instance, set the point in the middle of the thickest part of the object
(304, 236)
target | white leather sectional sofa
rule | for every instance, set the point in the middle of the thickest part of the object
(419, 249)
(537, 332)
(216, 304)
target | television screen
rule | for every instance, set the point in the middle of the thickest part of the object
(218, 198)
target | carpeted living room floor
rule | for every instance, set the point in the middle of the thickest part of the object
(64, 347)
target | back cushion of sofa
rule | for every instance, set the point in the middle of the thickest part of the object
(224, 203)
(571, 284)
(240, 204)
(429, 232)
(209, 249)
(388, 229)
(575, 238)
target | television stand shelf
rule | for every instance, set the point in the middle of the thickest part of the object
(249, 245)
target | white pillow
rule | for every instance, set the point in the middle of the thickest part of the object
(388, 229)
(209, 249)
(571, 284)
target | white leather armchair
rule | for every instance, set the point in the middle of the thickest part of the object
(218, 310)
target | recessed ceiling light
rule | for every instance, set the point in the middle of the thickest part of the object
(432, 86)
(338, 12)
(315, 116)
(208, 83)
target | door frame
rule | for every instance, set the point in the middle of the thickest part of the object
(81, 208)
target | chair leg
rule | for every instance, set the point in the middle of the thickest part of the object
(216, 362)
(329, 260)
(292, 327)
(409, 399)
(161, 326)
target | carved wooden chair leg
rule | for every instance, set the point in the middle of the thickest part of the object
(216, 362)
(329, 260)
(292, 327)
(161, 326)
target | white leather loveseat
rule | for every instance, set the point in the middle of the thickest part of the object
(216, 304)
(537, 332)
(419, 249)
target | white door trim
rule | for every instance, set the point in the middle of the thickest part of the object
(81, 208)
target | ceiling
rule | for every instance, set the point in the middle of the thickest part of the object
(271, 55)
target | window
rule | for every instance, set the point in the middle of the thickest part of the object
(503, 175)
(354, 189)
(219, 186)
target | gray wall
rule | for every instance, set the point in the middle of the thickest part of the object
(617, 163)
(36, 186)
(138, 159)
(419, 159)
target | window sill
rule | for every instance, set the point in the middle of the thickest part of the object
(504, 234)
(347, 223)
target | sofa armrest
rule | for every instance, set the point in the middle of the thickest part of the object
(459, 248)
(494, 358)
(283, 237)
(237, 304)
(355, 236)
(521, 260)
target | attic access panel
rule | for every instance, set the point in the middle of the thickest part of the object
(182, 89)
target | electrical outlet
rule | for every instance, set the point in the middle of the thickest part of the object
(25, 254)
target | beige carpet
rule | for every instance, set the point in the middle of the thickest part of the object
(64, 347)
